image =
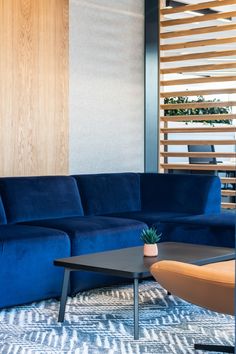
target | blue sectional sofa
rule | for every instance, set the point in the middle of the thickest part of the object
(44, 218)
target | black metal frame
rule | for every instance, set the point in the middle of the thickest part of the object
(215, 348)
(151, 143)
(64, 295)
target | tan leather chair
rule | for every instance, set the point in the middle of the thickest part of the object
(210, 286)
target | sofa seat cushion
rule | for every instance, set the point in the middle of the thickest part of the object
(225, 219)
(212, 229)
(90, 234)
(93, 234)
(109, 192)
(33, 198)
(151, 218)
(27, 272)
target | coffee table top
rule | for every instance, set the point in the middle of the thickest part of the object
(130, 262)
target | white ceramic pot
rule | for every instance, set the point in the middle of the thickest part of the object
(150, 250)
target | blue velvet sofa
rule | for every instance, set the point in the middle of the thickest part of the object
(44, 218)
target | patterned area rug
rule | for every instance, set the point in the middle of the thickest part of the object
(100, 321)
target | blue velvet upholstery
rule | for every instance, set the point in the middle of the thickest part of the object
(3, 219)
(130, 202)
(26, 257)
(213, 229)
(192, 194)
(33, 198)
(150, 218)
(109, 193)
(95, 234)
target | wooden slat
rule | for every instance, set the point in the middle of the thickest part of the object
(228, 192)
(198, 130)
(201, 79)
(210, 17)
(198, 68)
(202, 117)
(198, 80)
(200, 30)
(230, 180)
(216, 54)
(202, 43)
(228, 205)
(197, 105)
(198, 92)
(197, 142)
(197, 167)
(198, 154)
(194, 7)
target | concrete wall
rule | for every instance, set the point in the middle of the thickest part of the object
(106, 99)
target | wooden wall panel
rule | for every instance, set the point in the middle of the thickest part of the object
(33, 87)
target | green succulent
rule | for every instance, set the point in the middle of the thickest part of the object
(150, 235)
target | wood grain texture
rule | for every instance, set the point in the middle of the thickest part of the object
(197, 80)
(228, 205)
(197, 68)
(198, 167)
(198, 105)
(216, 54)
(33, 87)
(231, 180)
(195, 7)
(200, 43)
(198, 92)
(228, 192)
(204, 117)
(203, 18)
(198, 142)
(199, 130)
(200, 30)
(198, 154)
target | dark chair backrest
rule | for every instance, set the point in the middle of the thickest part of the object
(202, 160)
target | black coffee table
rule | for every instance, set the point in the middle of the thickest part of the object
(130, 263)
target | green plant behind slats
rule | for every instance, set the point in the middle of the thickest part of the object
(197, 111)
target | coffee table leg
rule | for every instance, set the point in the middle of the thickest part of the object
(136, 310)
(64, 295)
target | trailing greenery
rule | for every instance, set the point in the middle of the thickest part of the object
(197, 111)
(150, 235)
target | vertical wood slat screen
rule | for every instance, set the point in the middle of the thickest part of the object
(198, 90)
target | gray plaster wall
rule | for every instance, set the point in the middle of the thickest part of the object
(106, 90)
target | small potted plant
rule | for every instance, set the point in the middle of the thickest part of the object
(150, 238)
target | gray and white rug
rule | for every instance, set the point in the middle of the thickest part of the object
(101, 321)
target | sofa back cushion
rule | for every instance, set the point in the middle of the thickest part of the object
(3, 219)
(193, 194)
(109, 192)
(35, 198)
